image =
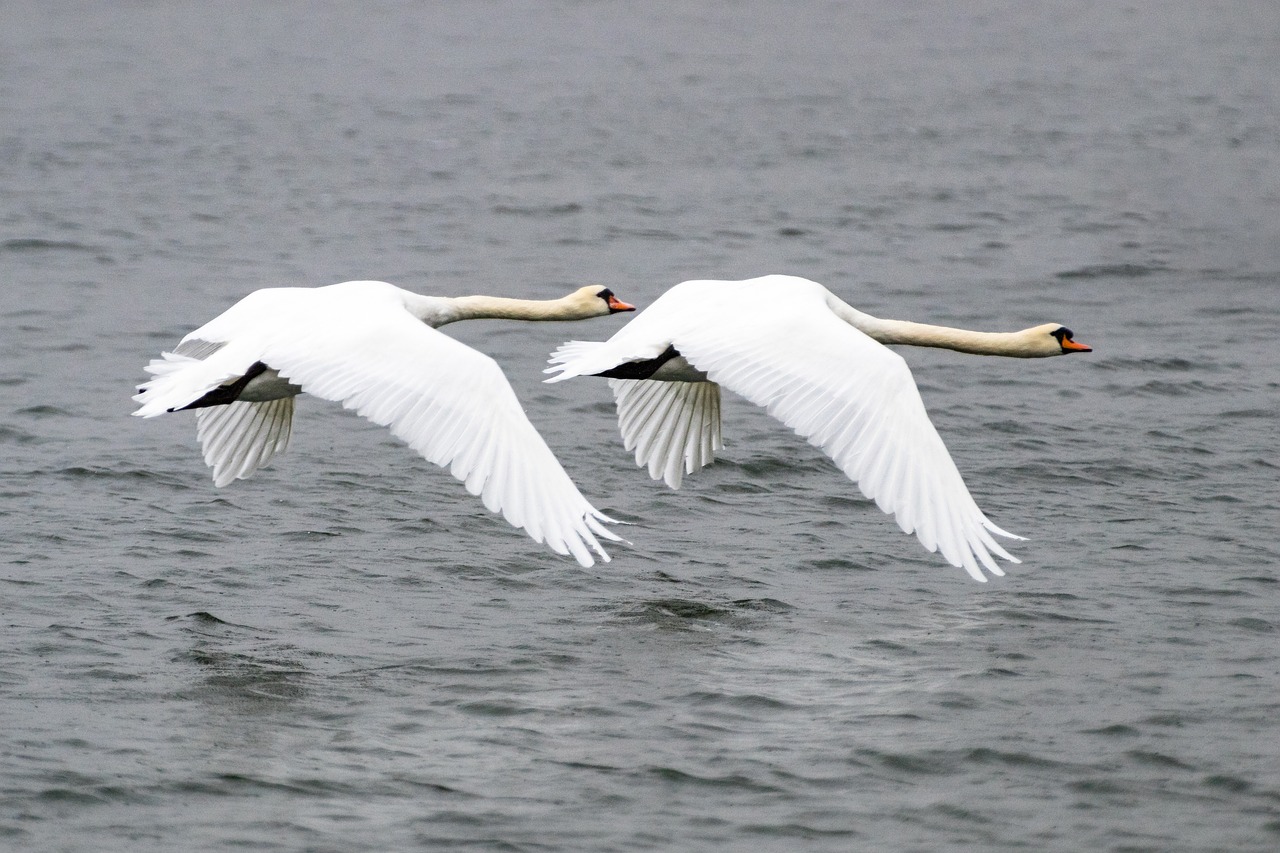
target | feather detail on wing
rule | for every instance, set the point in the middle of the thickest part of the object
(674, 427)
(194, 347)
(454, 406)
(857, 401)
(241, 437)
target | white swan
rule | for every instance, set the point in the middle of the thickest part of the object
(373, 347)
(817, 365)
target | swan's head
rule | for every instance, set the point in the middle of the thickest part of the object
(597, 301)
(1053, 339)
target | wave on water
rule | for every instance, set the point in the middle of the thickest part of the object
(1094, 271)
(32, 244)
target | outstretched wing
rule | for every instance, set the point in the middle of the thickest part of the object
(674, 427)
(857, 401)
(241, 437)
(451, 404)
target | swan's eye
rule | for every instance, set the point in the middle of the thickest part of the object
(605, 294)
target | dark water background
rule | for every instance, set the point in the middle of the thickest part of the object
(347, 653)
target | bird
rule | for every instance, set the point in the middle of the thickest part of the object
(374, 348)
(822, 368)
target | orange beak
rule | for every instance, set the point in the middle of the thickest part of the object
(616, 304)
(1069, 345)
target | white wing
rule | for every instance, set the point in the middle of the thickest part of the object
(674, 427)
(450, 403)
(240, 438)
(857, 401)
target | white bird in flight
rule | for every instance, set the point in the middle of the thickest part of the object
(817, 365)
(374, 348)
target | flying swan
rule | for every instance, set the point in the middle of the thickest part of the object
(374, 348)
(817, 365)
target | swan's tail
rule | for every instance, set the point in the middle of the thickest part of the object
(573, 358)
(176, 381)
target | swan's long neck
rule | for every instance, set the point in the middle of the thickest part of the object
(1012, 344)
(500, 308)
(439, 310)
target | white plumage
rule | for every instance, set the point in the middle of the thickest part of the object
(673, 427)
(791, 346)
(374, 348)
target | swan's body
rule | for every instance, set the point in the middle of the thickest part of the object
(816, 364)
(373, 347)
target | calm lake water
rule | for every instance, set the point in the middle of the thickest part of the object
(347, 653)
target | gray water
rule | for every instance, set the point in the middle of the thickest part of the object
(347, 653)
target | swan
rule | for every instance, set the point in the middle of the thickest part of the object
(374, 348)
(816, 364)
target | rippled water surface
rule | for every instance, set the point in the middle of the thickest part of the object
(348, 653)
